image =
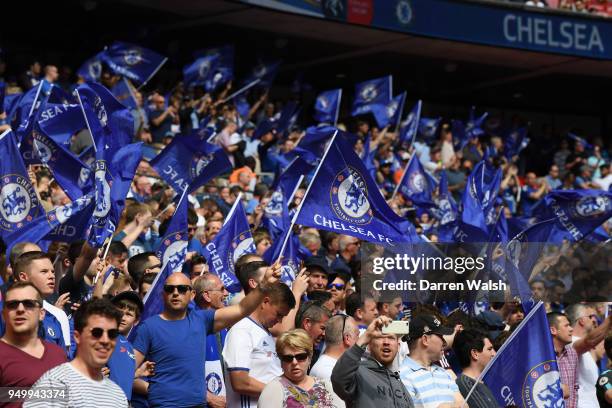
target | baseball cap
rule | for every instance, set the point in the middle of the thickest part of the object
(317, 262)
(425, 324)
(128, 295)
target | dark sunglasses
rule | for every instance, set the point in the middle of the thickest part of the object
(288, 358)
(97, 333)
(28, 304)
(337, 286)
(182, 289)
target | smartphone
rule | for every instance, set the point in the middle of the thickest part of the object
(396, 327)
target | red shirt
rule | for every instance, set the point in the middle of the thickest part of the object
(19, 369)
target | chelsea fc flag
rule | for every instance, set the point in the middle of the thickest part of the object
(342, 197)
(524, 372)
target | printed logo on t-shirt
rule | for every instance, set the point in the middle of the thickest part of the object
(603, 381)
(50, 331)
(213, 383)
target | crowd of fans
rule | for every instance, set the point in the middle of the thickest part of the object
(317, 343)
(596, 7)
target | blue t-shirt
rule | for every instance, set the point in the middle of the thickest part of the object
(122, 365)
(176, 347)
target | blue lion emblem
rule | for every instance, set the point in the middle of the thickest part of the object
(354, 198)
(592, 206)
(369, 92)
(101, 202)
(549, 396)
(14, 203)
(542, 388)
(349, 196)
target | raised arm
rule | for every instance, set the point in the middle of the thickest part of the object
(589, 341)
(227, 316)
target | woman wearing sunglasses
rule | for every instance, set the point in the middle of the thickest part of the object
(295, 388)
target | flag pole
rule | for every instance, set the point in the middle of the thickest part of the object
(297, 187)
(76, 92)
(338, 108)
(153, 73)
(35, 99)
(331, 142)
(241, 90)
(502, 348)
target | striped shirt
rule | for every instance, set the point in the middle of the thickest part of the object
(82, 392)
(428, 387)
(481, 397)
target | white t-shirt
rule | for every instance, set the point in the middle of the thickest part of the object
(323, 367)
(587, 378)
(249, 347)
(81, 391)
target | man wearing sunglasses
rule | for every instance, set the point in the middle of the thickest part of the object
(175, 340)
(586, 335)
(337, 287)
(428, 384)
(96, 325)
(25, 357)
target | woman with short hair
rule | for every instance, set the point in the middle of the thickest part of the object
(295, 388)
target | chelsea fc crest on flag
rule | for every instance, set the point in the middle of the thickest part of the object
(349, 197)
(18, 201)
(593, 206)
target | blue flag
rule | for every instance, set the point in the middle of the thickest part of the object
(19, 205)
(224, 66)
(11, 102)
(71, 174)
(288, 118)
(577, 212)
(463, 133)
(61, 121)
(288, 178)
(136, 63)
(91, 70)
(410, 126)
(125, 94)
(171, 252)
(189, 161)
(293, 254)
(445, 211)
(368, 157)
(343, 198)
(428, 128)
(111, 124)
(372, 92)
(580, 140)
(233, 240)
(67, 223)
(265, 72)
(515, 141)
(201, 72)
(112, 181)
(389, 114)
(416, 184)
(533, 379)
(27, 107)
(478, 203)
(2, 93)
(312, 146)
(327, 106)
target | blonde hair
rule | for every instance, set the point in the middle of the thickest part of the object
(297, 339)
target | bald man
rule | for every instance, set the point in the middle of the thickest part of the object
(176, 338)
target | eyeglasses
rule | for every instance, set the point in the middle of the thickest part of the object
(438, 335)
(191, 228)
(182, 289)
(97, 333)
(28, 304)
(337, 286)
(288, 358)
